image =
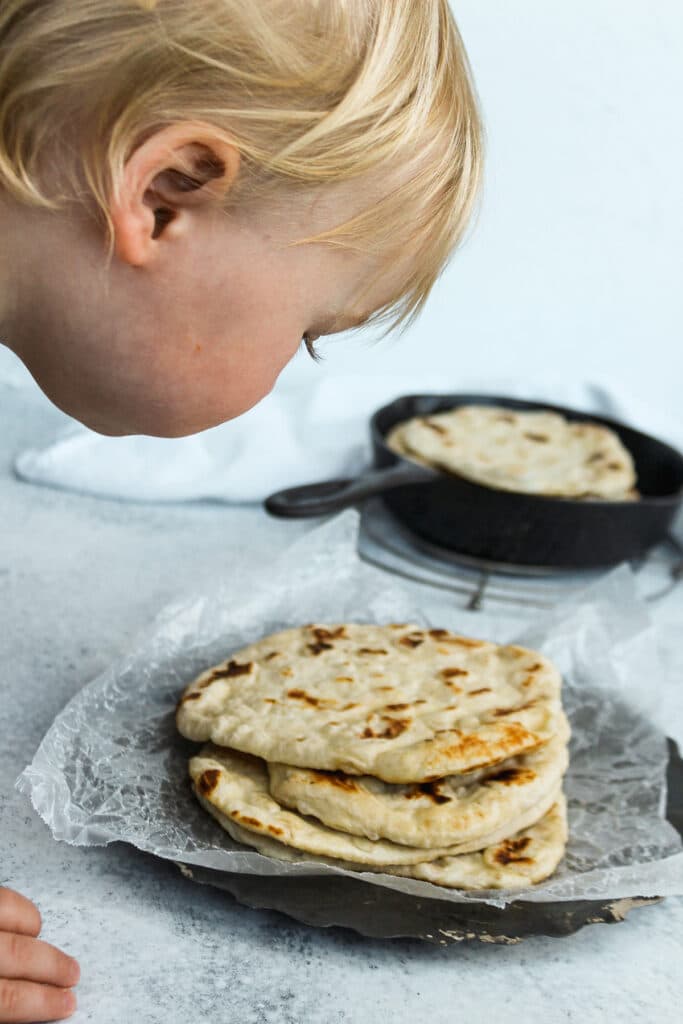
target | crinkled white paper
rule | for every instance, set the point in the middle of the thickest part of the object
(112, 766)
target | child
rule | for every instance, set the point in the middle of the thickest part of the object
(189, 189)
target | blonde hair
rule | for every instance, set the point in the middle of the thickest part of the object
(312, 92)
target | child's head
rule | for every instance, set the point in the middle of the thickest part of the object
(187, 189)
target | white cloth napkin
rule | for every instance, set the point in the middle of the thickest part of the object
(297, 435)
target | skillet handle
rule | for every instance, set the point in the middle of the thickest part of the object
(334, 495)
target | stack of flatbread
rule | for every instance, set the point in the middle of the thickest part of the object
(528, 452)
(396, 749)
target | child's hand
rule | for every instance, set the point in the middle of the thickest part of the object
(35, 978)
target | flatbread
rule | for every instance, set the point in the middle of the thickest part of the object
(525, 858)
(529, 452)
(459, 808)
(236, 787)
(398, 702)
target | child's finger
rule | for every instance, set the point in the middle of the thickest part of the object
(25, 1002)
(33, 960)
(17, 914)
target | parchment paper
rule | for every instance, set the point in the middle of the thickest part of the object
(112, 766)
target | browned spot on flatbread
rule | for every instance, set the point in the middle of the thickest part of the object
(244, 819)
(393, 728)
(478, 751)
(453, 673)
(319, 646)
(512, 777)
(438, 634)
(343, 679)
(273, 654)
(539, 438)
(275, 831)
(411, 640)
(464, 641)
(482, 689)
(235, 668)
(506, 417)
(372, 650)
(232, 669)
(337, 779)
(397, 707)
(349, 707)
(615, 465)
(436, 427)
(306, 698)
(511, 851)
(269, 700)
(596, 457)
(322, 634)
(505, 712)
(430, 790)
(190, 696)
(287, 673)
(208, 780)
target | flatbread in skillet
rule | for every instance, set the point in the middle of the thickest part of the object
(529, 452)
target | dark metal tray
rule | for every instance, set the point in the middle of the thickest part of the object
(326, 901)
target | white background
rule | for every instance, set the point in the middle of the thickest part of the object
(574, 266)
(575, 263)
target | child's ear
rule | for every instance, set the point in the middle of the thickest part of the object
(168, 176)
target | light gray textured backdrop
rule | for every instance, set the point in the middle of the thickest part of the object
(575, 262)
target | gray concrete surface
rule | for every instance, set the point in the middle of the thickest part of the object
(78, 578)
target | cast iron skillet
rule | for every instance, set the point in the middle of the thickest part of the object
(503, 526)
